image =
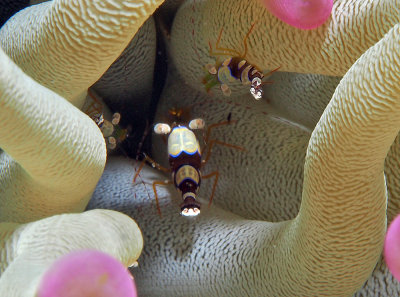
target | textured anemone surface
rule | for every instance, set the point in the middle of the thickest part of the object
(52, 154)
(29, 250)
(67, 46)
(335, 201)
(301, 212)
(61, 48)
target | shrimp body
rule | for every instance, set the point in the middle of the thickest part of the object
(185, 162)
(234, 67)
(240, 69)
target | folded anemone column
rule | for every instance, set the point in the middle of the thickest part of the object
(67, 45)
(53, 154)
(338, 234)
(51, 147)
(30, 250)
(334, 243)
(336, 240)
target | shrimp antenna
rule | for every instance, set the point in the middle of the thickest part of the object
(245, 40)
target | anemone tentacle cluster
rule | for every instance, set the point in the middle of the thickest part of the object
(52, 155)
(302, 212)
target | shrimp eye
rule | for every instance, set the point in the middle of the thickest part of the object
(197, 124)
(162, 128)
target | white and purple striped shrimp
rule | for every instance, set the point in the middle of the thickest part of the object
(113, 133)
(234, 67)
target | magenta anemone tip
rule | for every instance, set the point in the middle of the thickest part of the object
(392, 248)
(87, 273)
(302, 14)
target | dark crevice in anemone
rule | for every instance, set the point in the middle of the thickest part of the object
(136, 145)
(9, 7)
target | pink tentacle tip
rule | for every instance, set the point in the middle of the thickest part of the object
(392, 248)
(87, 273)
(302, 14)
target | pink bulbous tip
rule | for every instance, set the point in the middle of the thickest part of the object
(87, 273)
(392, 248)
(302, 14)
